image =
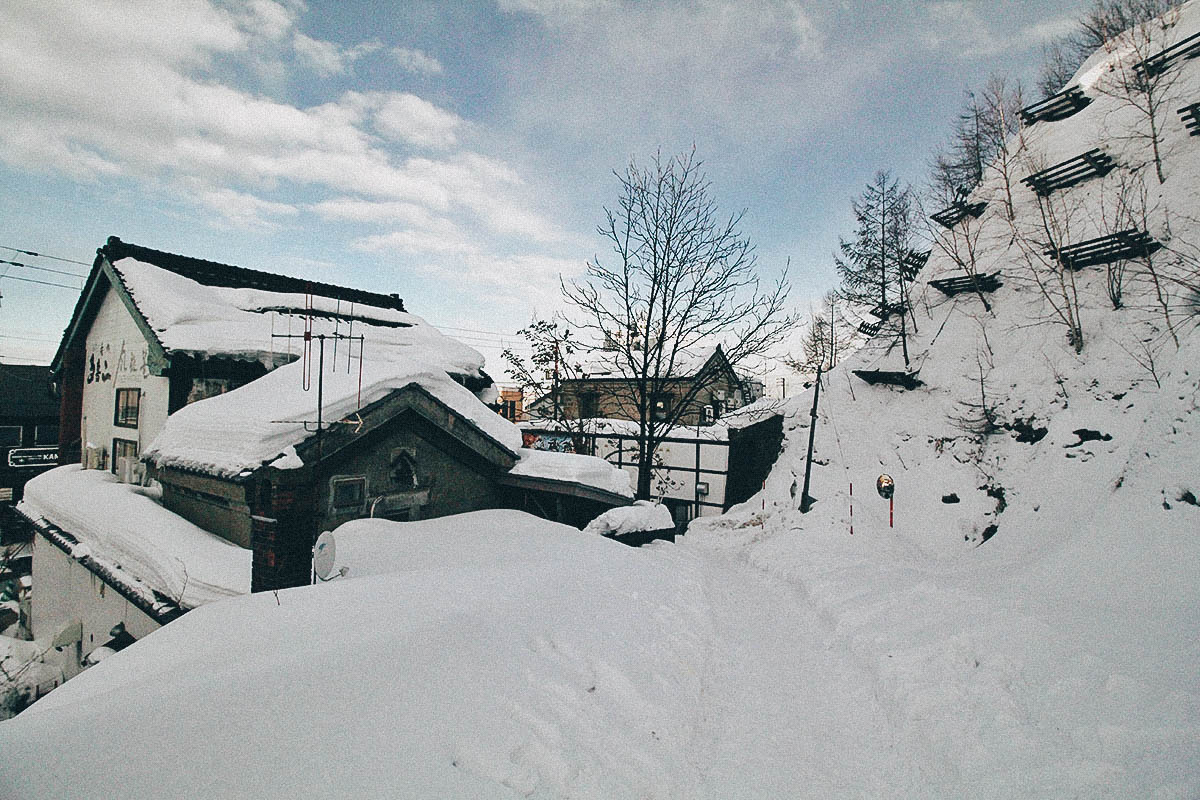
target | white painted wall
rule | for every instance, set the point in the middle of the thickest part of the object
(116, 358)
(65, 591)
(678, 462)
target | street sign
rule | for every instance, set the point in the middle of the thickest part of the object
(33, 457)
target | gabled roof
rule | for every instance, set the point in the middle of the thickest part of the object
(204, 309)
(211, 273)
(261, 423)
(608, 365)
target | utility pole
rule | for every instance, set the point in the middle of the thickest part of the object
(805, 500)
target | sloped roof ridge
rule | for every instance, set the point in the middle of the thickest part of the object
(212, 273)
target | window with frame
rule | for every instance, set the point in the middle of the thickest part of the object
(660, 406)
(128, 404)
(10, 435)
(348, 494)
(404, 470)
(122, 448)
(589, 405)
(46, 434)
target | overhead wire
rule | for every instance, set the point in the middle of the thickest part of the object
(44, 255)
(43, 269)
(43, 283)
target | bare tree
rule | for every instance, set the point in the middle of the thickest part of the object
(682, 277)
(826, 333)
(1001, 102)
(556, 357)
(958, 165)
(1147, 89)
(1104, 20)
(1038, 245)
(1059, 64)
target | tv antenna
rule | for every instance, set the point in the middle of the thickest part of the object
(306, 357)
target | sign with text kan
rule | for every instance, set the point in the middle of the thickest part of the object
(33, 456)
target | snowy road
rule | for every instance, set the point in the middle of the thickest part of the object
(786, 710)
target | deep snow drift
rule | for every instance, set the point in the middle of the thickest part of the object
(1030, 626)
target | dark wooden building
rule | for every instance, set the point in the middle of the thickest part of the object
(28, 427)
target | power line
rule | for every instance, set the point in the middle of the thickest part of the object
(27, 338)
(43, 269)
(43, 283)
(476, 330)
(43, 255)
(30, 359)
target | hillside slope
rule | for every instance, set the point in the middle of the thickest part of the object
(1032, 620)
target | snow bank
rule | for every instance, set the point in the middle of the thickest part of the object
(511, 657)
(586, 470)
(643, 515)
(126, 526)
(476, 539)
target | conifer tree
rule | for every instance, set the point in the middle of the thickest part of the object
(871, 265)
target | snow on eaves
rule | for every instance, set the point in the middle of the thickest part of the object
(126, 526)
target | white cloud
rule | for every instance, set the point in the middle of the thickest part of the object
(552, 8)
(329, 58)
(445, 242)
(244, 210)
(357, 209)
(967, 30)
(326, 58)
(269, 19)
(408, 118)
(416, 61)
(105, 92)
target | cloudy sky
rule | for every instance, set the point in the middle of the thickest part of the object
(459, 153)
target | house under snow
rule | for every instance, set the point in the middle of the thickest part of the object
(267, 409)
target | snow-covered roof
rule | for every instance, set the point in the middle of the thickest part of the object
(191, 317)
(718, 431)
(125, 526)
(263, 421)
(602, 364)
(476, 539)
(572, 468)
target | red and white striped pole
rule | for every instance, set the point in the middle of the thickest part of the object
(851, 508)
(891, 511)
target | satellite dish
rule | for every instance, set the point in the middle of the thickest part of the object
(324, 553)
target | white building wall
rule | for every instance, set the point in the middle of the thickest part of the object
(675, 475)
(117, 358)
(66, 592)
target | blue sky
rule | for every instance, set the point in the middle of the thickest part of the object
(460, 153)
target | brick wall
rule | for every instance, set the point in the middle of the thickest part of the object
(281, 526)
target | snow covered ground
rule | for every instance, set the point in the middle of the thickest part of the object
(1029, 627)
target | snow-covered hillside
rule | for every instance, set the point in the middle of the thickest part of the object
(1030, 626)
